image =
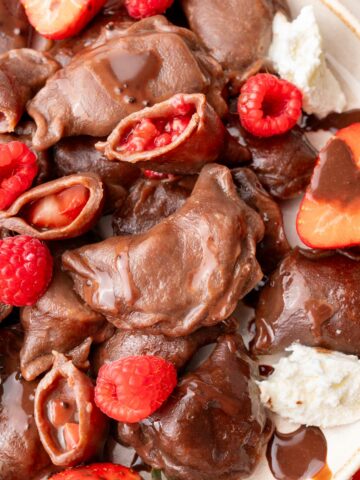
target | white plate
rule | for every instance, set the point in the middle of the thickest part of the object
(340, 27)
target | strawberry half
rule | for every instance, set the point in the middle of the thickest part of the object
(59, 19)
(329, 215)
(58, 210)
(98, 471)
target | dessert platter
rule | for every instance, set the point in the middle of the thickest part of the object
(179, 239)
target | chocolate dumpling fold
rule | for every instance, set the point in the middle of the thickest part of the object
(63, 208)
(283, 163)
(188, 271)
(212, 427)
(149, 201)
(313, 299)
(143, 64)
(22, 73)
(22, 455)
(15, 27)
(71, 427)
(274, 246)
(238, 33)
(179, 135)
(178, 351)
(61, 322)
(79, 155)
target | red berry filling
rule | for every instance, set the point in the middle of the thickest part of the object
(18, 168)
(133, 388)
(57, 210)
(98, 471)
(147, 8)
(152, 133)
(158, 175)
(269, 105)
(25, 270)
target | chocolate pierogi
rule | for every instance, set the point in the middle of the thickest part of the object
(207, 247)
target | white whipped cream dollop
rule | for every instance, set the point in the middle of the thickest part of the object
(298, 56)
(314, 387)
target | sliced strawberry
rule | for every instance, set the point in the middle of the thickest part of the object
(59, 19)
(58, 210)
(71, 435)
(98, 471)
(329, 215)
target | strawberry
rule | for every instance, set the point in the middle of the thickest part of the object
(356, 476)
(98, 471)
(58, 210)
(329, 215)
(59, 19)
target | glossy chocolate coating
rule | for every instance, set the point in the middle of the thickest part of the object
(137, 66)
(332, 122)
(213, 425)
(21, 452)
(274, 246)
(188, 271)
(78, 155)
(177, 350)
(60, 322)
(22, 73)
(14, 26)
(312, 299)
(342, 189)
(300, 454)
(283, 163)
(248, 27)
(149, 202)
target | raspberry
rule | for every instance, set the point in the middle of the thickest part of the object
(146, 8)
(18, 168)
(268, 105)
(98, 471)
(133, 388)
(157, 175)
(25, 270)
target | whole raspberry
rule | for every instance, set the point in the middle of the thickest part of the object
(147, 8)
(133, 388)
(269, 105)
(25, 270)
(18, 168)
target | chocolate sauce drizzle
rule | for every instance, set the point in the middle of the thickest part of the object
(299, 455)
(344, 186)
(331, 123)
